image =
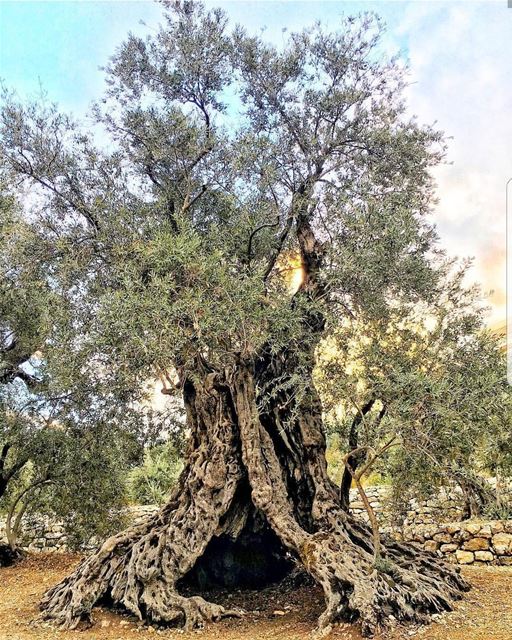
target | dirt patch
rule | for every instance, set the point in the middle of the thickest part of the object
(272, 614)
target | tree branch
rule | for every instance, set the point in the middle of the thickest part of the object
(251, 237)
(356, 476)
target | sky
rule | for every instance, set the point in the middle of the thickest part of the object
(460, 57)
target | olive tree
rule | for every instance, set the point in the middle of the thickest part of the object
(433, 378)
(57, 457)
(227, 157)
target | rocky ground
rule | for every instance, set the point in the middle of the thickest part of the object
(272, 614)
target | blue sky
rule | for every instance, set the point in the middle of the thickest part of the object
(460, 55)
(61, 44)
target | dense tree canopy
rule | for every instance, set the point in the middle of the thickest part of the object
(56, 456)
(225, 154)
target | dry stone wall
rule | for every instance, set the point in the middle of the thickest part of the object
(41, 533)
(465, 542)
(445, 507)
(433, 525)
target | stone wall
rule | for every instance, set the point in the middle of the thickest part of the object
(465, 542)
(40, 533)
(445, 507)
(432, 524)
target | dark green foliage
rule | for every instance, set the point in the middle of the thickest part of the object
(57, 458)
(169, 246)
(437, 379)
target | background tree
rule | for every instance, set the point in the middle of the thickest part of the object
(77, 479)
(24, 300)
(55, 457)
(435, 379)
(23, 321)
(496, 454)
(226, 157)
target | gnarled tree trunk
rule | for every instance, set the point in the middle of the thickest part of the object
(251, 476)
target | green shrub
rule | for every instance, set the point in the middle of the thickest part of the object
(151, 482)
(499, 510)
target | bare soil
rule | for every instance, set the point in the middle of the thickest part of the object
(275, 613)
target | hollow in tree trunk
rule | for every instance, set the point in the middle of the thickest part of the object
(248, 479)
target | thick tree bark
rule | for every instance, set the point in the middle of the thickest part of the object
(250, 474)
(256, 468)
(140, 567)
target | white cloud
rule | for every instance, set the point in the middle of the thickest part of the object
(460, 57)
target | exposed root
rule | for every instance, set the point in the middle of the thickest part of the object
(375, 593)
(135, 570)
(233, 470)
(139, 568)
(404, 583)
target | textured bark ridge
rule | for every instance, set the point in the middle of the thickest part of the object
(248, 478)
(139, 567)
